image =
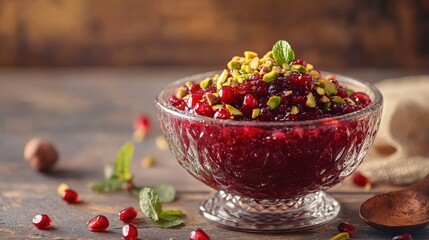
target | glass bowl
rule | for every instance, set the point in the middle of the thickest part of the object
(270, 176)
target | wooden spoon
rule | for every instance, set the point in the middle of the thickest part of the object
(399, 211)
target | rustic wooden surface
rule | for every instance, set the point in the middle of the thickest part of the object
(357, 33)
(88, 114)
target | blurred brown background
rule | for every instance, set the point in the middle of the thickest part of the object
(331, 34)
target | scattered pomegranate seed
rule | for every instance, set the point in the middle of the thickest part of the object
(70, 196)
(142, 127)
(405, 236)
(129, 232)
(348, 228)
(222, 113)
(42, 221)
(198, 234)
(128, 214)
(341, 236)
(361, 180)
(98, 224)
(299, 62)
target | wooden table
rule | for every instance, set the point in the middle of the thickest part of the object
(88, 113)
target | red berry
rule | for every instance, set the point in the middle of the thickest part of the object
(361, 180)
(347, 227)
(198, 234)
(226, 95)
(361, 98)
(405, 236)
(299, 62)
(250, 101)
(142, 123)
(98, 224)
(70, 196)
(128, 214)
(204, 109)
(129, 232)
(222, 113)
(42, 221)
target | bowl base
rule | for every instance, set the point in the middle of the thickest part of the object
(251, 215)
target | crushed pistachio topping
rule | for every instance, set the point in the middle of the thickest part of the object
(289, 88)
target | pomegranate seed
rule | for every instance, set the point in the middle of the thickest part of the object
(226, 95)
(405, 236)
(250, 101)
(142, 123)
(361, 98)
(129, 232)
(299, 62)
(98, 224)
(361, 180)
(128, 214)
(204, 109)
(42, 221)
(222, 113)
(70, 196)
(347, 227)
(198, 234)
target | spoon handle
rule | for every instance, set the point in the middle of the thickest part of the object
(423, 185)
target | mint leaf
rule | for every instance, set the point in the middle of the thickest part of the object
(150, 203)
(168, 223)
(171, 212)
(166, 192)
(283, 53)
(123, 162)
(107, 185)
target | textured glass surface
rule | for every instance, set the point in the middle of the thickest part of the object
(270, 160)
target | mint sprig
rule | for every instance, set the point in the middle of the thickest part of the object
(283, 53)
(151, 205)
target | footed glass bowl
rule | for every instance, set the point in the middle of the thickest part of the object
(270, 176)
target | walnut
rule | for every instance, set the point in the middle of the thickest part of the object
(40, 154)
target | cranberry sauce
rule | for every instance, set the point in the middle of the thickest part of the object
(245, 155)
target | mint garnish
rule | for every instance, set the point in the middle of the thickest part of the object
(151, 205)
(166, 192)
(283, 53)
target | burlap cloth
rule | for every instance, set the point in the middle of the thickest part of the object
(400, 154)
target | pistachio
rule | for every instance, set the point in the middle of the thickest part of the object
(235, 73)
(189, 84)
(256, 112)
(273, 102)
(325, 99)
(338, 100)
(222, 78)
(211, 99)
(315, 74)
(217, 106)
(309, 67)
(233, 65)
(270, 77)
(216, 77)
(329, 77)
(329, 87)
(248, 69)
(294, 110)
(278, 69)
(311, 102)
(249, 55)
(320, 91)
(298, 68)
(186, 96)
(327, 106)
(287, 93)
(254, 63)
(269, 54)
(350, 101)
(349, 92)
(233, 111)
(181, 92)
(206, 83)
